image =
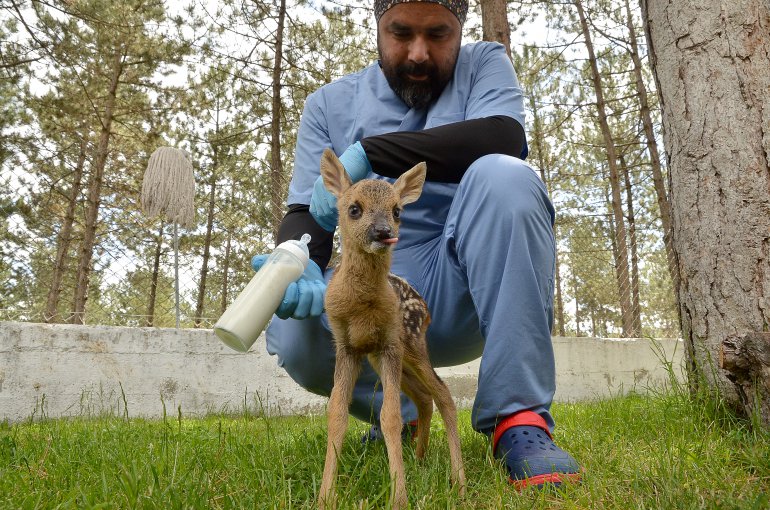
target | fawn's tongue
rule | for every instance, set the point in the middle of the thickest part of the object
(392, 240)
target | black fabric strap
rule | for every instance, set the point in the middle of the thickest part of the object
(299, 221)
(448, 150)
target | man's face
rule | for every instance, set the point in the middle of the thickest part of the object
(418, 44)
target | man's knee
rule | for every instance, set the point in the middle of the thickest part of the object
(499, 180)
(304, 353)
(308, 374)
(501, 174)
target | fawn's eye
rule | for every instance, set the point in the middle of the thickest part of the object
(396, 212)
(354, 211)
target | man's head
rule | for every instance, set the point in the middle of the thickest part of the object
(418, 42)
(457, 7)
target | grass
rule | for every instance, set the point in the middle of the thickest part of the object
(663, 451)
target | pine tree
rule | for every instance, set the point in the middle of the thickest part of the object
(102, 58)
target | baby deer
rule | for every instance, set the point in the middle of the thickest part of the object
(376, 314)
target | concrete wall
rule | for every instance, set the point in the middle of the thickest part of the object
(65, 370)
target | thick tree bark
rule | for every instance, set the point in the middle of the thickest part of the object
(712, 64)
(621, 259)
(747, 362)
(494, 22)
(94, 193)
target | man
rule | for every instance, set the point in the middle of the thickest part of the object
(478, 245)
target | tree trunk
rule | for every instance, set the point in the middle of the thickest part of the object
(545, 172)
(64, 239)
(712, 64)
(207, 241)
(225, 274)
(559, 327)
(150, 316)
(578, 318)
(276, 166)
(612, 233)
(226, 259)
(494, 22)
(94, 194)
(621, 261)
(747, 362)
(652, 147)
(636, 310)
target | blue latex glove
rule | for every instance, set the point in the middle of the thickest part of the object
(323, 205)
(304, 297)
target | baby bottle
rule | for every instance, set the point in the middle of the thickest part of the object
(244, 320)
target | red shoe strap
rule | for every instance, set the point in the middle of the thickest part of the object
(535, 481)
(413, 424)
(529, 418)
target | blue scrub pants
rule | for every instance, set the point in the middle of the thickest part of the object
(488, 281)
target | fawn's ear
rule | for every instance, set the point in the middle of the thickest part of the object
(336, 179)
(409, 185)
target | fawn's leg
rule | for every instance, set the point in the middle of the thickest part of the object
(446, 406)
(345, 372)
(389, 368)
(423, 400)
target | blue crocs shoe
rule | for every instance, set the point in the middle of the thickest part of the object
(374, 433)
(531, 456)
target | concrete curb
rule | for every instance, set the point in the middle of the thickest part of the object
(66, 370)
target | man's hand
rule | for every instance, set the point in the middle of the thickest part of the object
(303, 298)
(323, 205)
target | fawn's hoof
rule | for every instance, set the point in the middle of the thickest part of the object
(374, 434)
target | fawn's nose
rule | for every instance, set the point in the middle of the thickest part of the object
(380, 231)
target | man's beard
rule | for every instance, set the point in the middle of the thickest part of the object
(418, 94)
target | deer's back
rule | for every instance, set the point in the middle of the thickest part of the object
(414, 310)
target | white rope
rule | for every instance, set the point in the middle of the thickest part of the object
(168, 187)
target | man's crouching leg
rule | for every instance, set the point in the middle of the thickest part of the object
(305, 349)
(502, 229)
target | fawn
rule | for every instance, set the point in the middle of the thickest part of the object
(376, 314)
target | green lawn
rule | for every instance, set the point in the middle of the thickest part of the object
(664, 451)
